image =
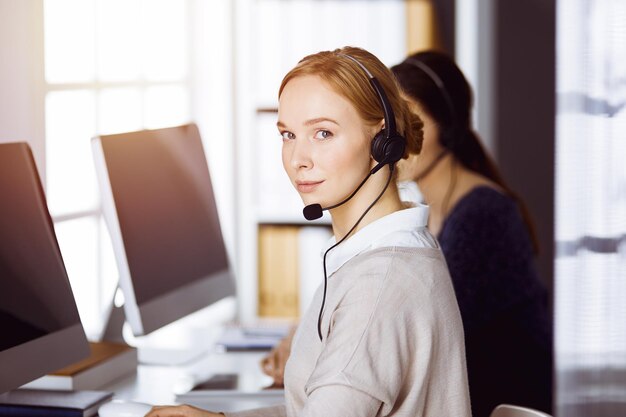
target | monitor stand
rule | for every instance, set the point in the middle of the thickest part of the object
(150, 349)
(113, 331)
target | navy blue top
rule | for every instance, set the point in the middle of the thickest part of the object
(503, 304)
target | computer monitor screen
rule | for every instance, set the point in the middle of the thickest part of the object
(161, 213)
(39, 322)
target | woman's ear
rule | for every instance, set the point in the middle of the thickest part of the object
(381, 125)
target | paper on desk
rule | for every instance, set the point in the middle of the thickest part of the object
(251, 338)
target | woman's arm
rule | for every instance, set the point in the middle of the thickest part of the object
(189, 411)
(274, 363)
(340, 401)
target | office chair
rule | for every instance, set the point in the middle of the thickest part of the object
(507, 410)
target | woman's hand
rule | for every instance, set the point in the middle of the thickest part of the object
(274, 363)
(181, 411)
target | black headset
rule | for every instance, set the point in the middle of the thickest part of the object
(388, 146)
(449, 136)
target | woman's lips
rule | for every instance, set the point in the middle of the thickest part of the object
(307, 186)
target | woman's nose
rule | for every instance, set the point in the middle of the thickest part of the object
(301, 155)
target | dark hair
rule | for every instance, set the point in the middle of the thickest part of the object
(450, 107)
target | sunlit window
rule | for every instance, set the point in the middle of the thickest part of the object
(590, 264)
(110, 66)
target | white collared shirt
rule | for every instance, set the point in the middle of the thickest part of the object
(403, 228)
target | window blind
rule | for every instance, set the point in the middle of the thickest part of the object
(590, 265)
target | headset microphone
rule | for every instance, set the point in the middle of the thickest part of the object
(314, 211)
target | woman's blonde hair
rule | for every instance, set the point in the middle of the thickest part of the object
(347, 79)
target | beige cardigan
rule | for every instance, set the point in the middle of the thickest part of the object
(393, 343)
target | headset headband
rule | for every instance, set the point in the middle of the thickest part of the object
(438, 82)
(390, 118)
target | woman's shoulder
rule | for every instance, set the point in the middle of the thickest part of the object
(383, 258)
(385, 263)
(484, 202)
(485, 217)
(401, 268)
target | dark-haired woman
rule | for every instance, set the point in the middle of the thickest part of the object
(487, 239)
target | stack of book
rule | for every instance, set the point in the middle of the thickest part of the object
(35, 403)
(107, 362)
(290, 268)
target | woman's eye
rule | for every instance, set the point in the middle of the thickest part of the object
(287, 135)
(323, 134)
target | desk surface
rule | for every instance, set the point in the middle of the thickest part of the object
(157, 385)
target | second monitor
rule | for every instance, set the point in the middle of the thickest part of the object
(159, 206)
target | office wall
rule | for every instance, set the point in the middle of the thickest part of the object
(520, 116)
(524, 59)
(507, 51)
(21, 75)
(445, 10)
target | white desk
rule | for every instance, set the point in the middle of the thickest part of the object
(157, 385)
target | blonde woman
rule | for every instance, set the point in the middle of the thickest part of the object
(383, 336)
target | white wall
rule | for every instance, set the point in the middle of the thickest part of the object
(21, 75)
(474, 55)
(213, 105)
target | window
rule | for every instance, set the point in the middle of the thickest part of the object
(110, 66)
(590, 267)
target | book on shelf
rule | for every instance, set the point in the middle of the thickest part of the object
(35, 403)
(278, 271)
(290, 268)
(108, 361)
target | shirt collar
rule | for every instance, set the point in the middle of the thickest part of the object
(409, 219)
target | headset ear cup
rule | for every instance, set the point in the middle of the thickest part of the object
(378, 146)
(395, 149)
(388, 150)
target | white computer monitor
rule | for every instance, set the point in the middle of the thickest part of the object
(160, 210)
(39, 323)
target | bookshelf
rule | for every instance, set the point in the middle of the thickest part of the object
(277, 247)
